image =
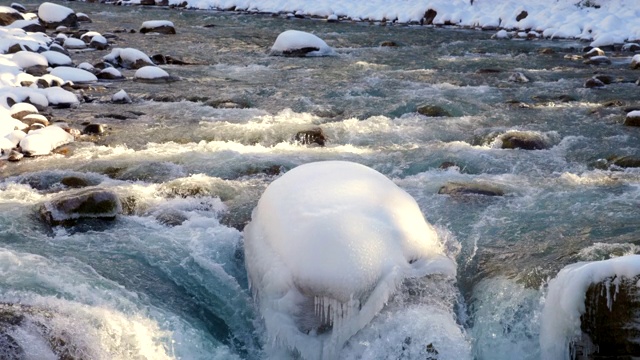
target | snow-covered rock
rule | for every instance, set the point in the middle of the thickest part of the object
(128, 58)
(42, 141)
(60, 97)
(110, 73)
(27, 59)
(55, 58)
(632, 118)
(9, 15)
(73, 74)
(635, 62)
(99, 42)
(300, 43)
(152, 74)
(121, 97)
(53, 15)
(157, 26)
(327, 246)
(73, 43)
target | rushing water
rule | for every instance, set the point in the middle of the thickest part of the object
(141, 288)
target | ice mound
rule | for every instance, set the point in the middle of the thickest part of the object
(328, 244)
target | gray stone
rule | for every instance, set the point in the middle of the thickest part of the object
(88, 203)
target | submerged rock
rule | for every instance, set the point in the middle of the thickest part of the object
(433, 111)
(311, 136)
(522, 140)
(88, 203)
(472, 188)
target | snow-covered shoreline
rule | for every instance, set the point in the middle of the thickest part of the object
(598, 21)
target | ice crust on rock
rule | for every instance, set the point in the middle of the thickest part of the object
(565, 300)
(328, 244)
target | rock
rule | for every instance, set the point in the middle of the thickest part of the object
(19, 7)
(472, 188)
(82, 17)
(110, 74)
(605, 79)
(546, 51)
(74, 182)
(388, 43)
(593, 83)
(53, 15)
(429, 16)
(93, 129)
(294, 43)
(523, 15)
(89, 203)
(312, 136)
(15, 155)
(593, 52)
(598, 60)
(158, 26)
(160, 59)
(121, 97)
(635, 62)
(631, 47)
(229, 104)
(33, 27)
(128, 58)
(7, 18)
(609, 320)
(624, 161)
(522, 140)
(147, 2)
(488, 71)
(171, 217)
(433, 111)
(518, 77)
(153, 74)
(632, 118)
(99, 42)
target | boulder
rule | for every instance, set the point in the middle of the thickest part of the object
(429, 16)
(433, 111)
(632, 118)
(471, 188)
(88, 203)
(523, 15)
(635, 62)
(311, 136)
(158, 26)
(598, 60)
(53, 15)
(8, 16)
(522, 140)
(593, 83)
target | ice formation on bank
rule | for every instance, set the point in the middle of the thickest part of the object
(328, 244)
(565, 301)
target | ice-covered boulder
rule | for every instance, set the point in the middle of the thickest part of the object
(591, 309)
(300, 44)
(328, 244)
(53, 15)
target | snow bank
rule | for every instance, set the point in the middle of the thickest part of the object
(616, 19)
(564, 303)
(327, 246)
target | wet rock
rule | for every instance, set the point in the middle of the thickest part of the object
(74, 182)
(229, 104)
(429, 16)
(33, 27)
(598, 60)
(593, 52)
(632, 118)
(93, 129)
(89, 203)
(158, 26)
(605, 79)
(171, 217)
(522, 140)
(488, 71)
(15, 156)
(311, 136)
(593, 83)
(625, 161)
(610, 320)
(110, 74)
(518, 77)
(631, 47)
(82, 17)
(99, 42)
(433, 111)
(546, 51)
(389, 43)
(302, 52)
(472, 188)
(160, 59)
